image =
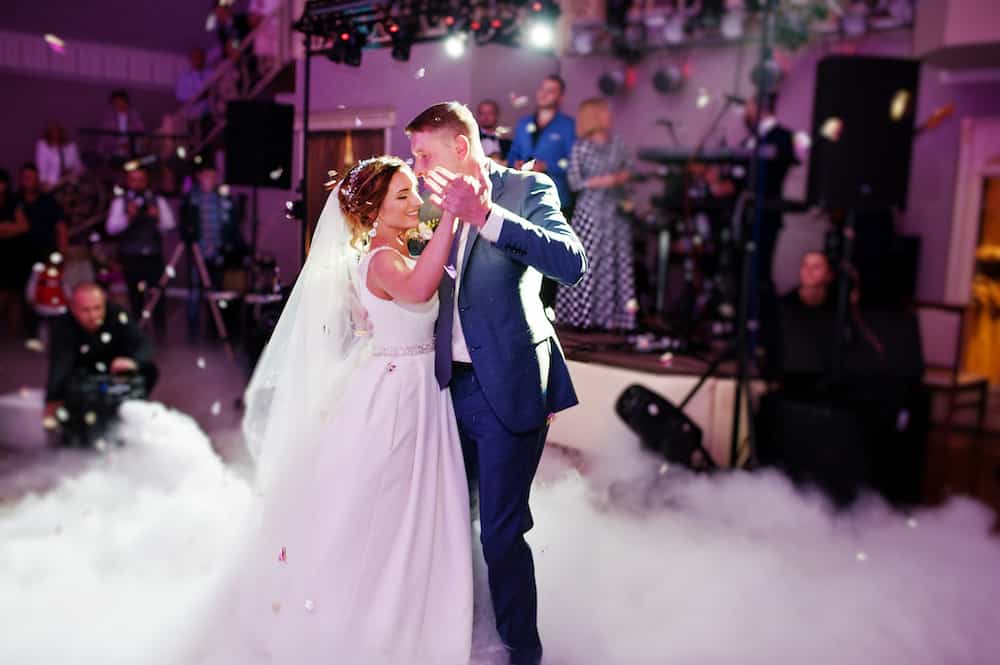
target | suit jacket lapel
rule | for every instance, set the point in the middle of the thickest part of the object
(496, 177)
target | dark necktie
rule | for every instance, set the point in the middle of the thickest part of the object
(446, 316)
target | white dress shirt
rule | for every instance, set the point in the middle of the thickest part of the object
(491, 232)
(118, 219)
(50, 166)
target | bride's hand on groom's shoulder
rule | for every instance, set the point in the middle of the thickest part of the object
(464, 196)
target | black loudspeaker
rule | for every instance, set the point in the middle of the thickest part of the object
(663, 428)
(862, 132)
(259, 144)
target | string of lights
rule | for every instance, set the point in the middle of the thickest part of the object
(344, 30)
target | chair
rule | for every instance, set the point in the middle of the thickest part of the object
(942, 332)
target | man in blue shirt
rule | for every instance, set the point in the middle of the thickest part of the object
(547, 137)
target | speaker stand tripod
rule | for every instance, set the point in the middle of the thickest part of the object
(195, 255)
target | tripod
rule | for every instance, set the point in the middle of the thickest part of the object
(195, 255)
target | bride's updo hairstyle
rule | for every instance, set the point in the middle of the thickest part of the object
(362, 191)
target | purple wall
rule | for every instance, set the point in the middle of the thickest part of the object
(32, 102)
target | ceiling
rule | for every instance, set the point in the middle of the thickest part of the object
(175, 26)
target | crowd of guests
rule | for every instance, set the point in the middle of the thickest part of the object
(590, 167)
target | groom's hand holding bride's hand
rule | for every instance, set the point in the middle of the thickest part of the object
(466, 197)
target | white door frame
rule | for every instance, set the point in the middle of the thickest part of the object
(978, 157)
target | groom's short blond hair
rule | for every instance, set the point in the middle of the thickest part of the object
(453, 117)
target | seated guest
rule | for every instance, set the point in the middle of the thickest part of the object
(815, 287)
(138, 218)
(56, 156)
(94, 338)
(210, 218)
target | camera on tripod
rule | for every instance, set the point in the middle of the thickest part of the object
(92, 402)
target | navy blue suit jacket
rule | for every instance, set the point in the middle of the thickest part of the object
(515, 353)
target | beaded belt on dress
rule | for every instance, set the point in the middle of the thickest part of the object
(412, 350)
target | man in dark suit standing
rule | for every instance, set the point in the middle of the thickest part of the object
(495, 146)
(777, 157)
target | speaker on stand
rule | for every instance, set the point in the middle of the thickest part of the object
(258, 147)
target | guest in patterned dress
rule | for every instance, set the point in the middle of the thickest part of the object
(598, 170)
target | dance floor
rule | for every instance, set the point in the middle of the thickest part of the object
(636, 563)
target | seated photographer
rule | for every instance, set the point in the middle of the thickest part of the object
(137, 218)
(210, 219)
(94, 339)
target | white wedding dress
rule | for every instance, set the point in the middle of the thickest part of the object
(361, 551)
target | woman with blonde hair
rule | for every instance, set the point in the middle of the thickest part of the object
(599, 169)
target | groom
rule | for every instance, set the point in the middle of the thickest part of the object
(496, 349)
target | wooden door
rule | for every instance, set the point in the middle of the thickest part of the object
(338, 151)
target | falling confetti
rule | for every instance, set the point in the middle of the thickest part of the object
(862, 556)
(181, 152)
(101, 445)
(105, 337)
(141, 286)
(100, 367)
(145, 314)
(451, 271)
(802, 141)
(341, 107)
(667, 358)
(357, 121)
(518, 101)
(50, 423)
(310, 606)
(90, 417)
(223, 190)
(900, 104)
(703, 98)
(912, 522)
(531, 127)
(211, 23)
(223, 304)
(52, 272)
(563, 163)
(57, 45)
(276, 173)
(38, 267)
(170, 272)
(55, 258)
(197, 159)
(421, 73)
(132, 165)
(62, 414)
(409, 162)
(664, 468)
(283, 555)
(832, 129)
(216, 408)
(200, 362)
(85, 348)
(118, 191)
(632, 306)
(275, 607)
(122, 318)
(34, 345)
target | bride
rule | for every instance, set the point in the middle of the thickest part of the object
(359, 552)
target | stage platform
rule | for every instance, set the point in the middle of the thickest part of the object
(602, 367)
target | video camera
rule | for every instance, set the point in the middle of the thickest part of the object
(92, 402)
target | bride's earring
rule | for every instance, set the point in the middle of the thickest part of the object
(374, 229)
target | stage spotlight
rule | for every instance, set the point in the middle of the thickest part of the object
(454, 45)
(402, 41)
(668, 80)
(540, 35)
(611, 83)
